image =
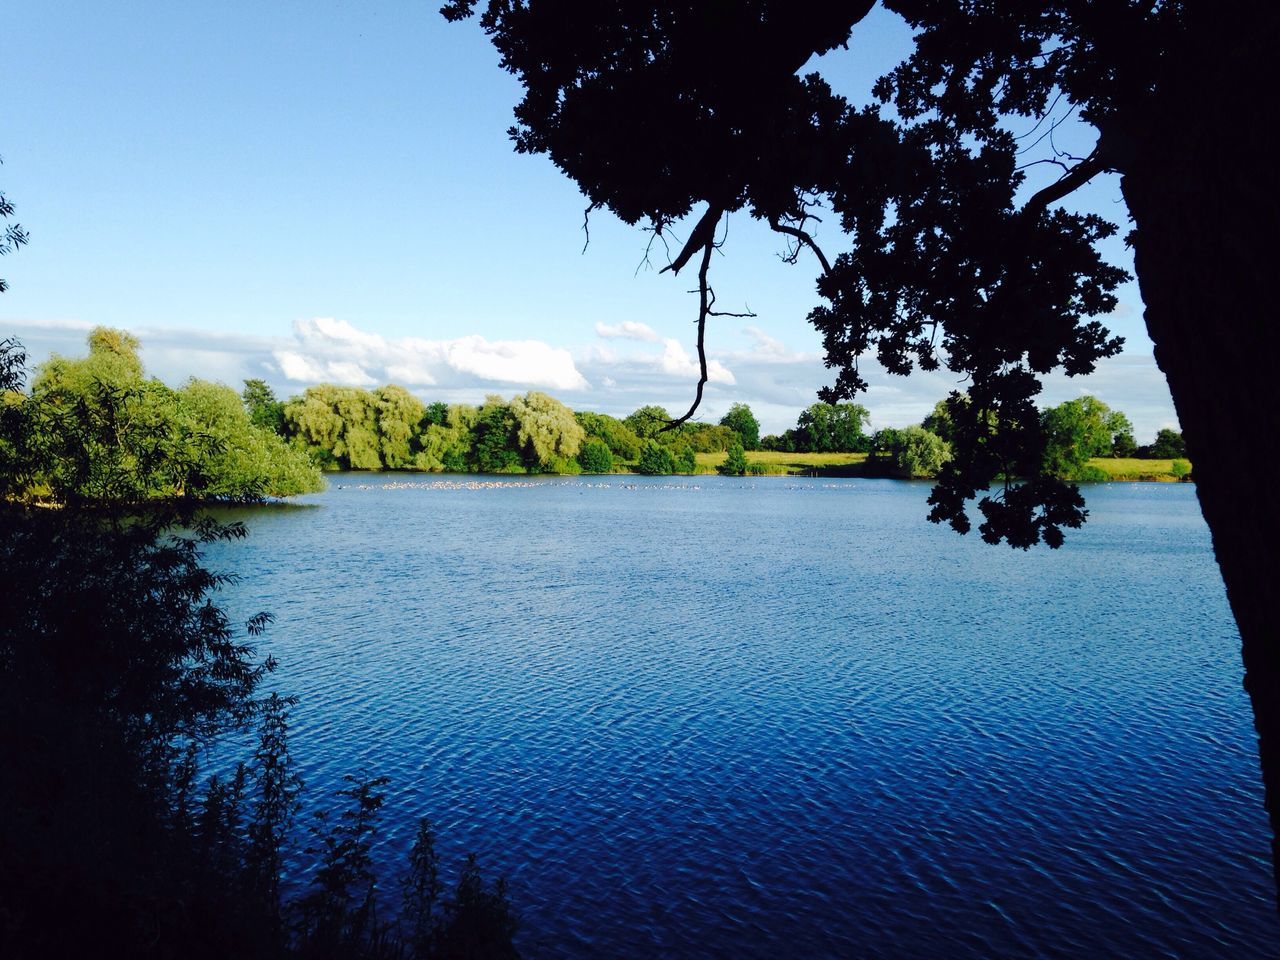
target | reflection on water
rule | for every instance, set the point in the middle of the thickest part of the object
(780, 717)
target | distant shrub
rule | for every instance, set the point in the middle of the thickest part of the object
(655, 460)
(1181, 469)
(735, 464)
(686, 460)
(757, 469)
(595, 456)
(1090, 474)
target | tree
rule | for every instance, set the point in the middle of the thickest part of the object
(1078, 430)
(621, 439)
(686, 460)
(1168, 444)
(735, 463)
(264, 409)
(13, 236)
(98, 431)
(743, 422)
(548, 435)
(655, 109)
(911, 452)
(1122, 442)
(595, 456)
(833, 428)
(398, 414)
(493, 444)
(337, 426)
(655, 460)
(648, 422)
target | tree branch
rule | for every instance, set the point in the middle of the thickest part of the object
(702, 236)
(705, 300)
(803, 238)
(1073, 179)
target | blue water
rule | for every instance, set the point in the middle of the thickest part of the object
(779, 717)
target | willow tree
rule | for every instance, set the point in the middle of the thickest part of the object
(548, 435)
(946, 256)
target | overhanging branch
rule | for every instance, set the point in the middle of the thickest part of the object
(1073, 179)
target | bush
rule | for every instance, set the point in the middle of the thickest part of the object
(735, 464)
(757, 469)
(911, 451)
(655, 460)
(1181, 469)
(686, 461)
(595, 456)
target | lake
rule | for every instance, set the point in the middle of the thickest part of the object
(767, 717)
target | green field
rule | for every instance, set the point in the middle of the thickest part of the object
(783, 464)
(851, 464)
(1131, 468)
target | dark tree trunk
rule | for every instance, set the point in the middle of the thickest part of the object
(1205, 208)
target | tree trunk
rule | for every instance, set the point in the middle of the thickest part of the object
(1205, 250)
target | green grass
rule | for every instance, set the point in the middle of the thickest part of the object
(783, 464)
(851, 464)
(1131, 468)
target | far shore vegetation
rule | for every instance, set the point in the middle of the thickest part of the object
(203, 441)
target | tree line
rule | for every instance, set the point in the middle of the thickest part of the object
(202, 441)
(388, 428)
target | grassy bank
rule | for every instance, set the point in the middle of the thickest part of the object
(776, 463)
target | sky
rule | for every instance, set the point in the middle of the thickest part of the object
(311, 191)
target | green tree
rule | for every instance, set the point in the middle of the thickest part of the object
(648, 422)
(264, 409)
(445, 445)
(1168, 444)
(243, 459)
(1122, 442)
(1078, 430)
(547, 434)
(494, 447)
(399, 415)
(655, 459)
(743, 422)
(595, 456)
(833, 428)
(622, 440)
(735, 463)
(911, 451)
(337, 426)
(685, 460)
(98, 430)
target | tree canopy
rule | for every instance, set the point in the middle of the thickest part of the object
(949, 255)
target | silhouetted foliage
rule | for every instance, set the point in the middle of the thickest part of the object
(118, 670)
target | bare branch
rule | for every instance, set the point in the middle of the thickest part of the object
(1074, 178)
(802, 237)
(703, 235)
(705, 300)
(586, 224)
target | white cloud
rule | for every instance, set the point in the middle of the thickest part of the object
(334, 350)
(777, 381)
(627, 330)
(676, 362)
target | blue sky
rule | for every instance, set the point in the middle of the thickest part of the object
(303, 191)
